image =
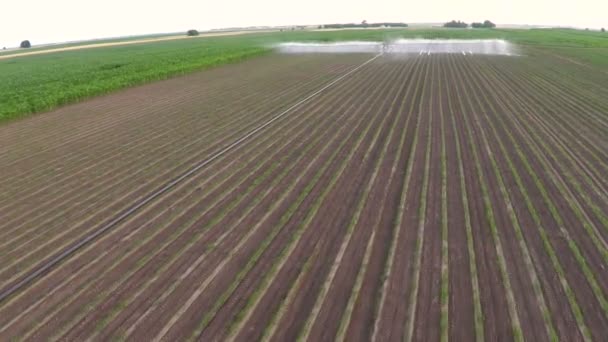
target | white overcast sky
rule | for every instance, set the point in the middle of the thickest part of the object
(46, 21)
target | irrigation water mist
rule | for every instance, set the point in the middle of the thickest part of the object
(404, 46)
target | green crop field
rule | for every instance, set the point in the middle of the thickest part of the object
(31, 84)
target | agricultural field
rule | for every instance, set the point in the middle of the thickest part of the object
(316, 197)
(38, 83)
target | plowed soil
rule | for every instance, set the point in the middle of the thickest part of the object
(420, 197)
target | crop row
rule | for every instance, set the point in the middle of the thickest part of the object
(38, 213)
(420, 198)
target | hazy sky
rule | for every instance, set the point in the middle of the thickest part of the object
(44, 21)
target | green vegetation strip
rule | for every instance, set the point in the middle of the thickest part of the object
(38, 83)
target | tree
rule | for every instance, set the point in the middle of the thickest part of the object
(485, 24)
(363, 24)
(25, 44)
(456, 24)
(192, 33)
(603, 29)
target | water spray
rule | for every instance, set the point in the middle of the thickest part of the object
(406, 46)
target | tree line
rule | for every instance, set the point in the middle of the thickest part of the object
(462, 24)
(363, 24)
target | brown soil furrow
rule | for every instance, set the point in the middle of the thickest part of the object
(419, 197)
(465, 324)
(121, 113)
(366, 301)
(555, 225)
(202, 122)
(497, 321)
(556, 301)
(444, 294)
(394, 223)
(84, 172)
(564, 125)
(176, 196)
(589, 191)
(571, 188)
(173, 90)
(216, 244)
(336, 302)
(354, 238)
(575, 218)
(274, 247)
(585, 103)
(218, 282)
(426, 320)
(396, 299)
(535, 319)
(168, 148)
(571, 155)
